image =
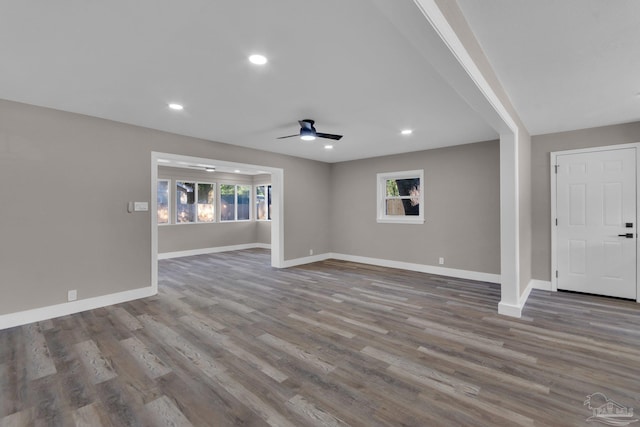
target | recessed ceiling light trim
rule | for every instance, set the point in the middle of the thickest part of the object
(328, 147)
(258, 59)
(176, 107)
(406, 132)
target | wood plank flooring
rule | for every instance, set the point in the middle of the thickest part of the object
(231, 341)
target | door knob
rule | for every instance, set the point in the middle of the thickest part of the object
(628, 235)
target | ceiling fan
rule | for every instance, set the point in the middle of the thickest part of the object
(308, 132)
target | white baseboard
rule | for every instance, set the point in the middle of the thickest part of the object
(516, 310)
(510, 309)
(44, 313)
(305, 260)
(203, 251)
(35, 315)
(422, 268)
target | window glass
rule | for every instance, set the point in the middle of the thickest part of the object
(269, 202)
(261, 203)
(243, 193)
(163, 201)
(185, 202)
(227, 202)
(206, 202)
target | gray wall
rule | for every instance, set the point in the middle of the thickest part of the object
(181, 237)
(542, 145)
(66, 180)
(462, 209)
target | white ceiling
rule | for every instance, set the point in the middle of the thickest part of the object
(343, 63)
(566, 64)
(347, 64)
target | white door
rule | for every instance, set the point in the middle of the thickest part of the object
(596, 229)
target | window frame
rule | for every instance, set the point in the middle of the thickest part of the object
(266, 195)
(382, 197)
(235, 200)
(196, 183)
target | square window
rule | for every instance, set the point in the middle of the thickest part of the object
(400, 197)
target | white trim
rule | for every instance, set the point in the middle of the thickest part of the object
(515, 310)
(509, 179)
(154, 220)
(447, 34)
(512, 310)
(306, 260)
(422, 268)
(509, 221)
(277, 200)
(44, 313)
(554, 263)
(381, 190)
(553, 160)
(212, 250)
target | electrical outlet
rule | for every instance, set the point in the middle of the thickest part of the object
(72, 295)
(310, 251)
(441, 260)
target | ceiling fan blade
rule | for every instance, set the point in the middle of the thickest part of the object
(288, 136)
(328, 136)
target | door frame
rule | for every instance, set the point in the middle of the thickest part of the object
(277, 203)
(554, 157)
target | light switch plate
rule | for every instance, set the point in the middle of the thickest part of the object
(140, 206)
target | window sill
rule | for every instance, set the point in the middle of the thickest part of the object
(400, 221)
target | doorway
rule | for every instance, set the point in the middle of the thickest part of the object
(277, 203)
(594, 220)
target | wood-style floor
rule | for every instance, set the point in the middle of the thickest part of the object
(230, 341)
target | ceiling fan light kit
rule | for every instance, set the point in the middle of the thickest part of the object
(308, 132)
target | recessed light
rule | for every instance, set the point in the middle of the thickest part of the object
(258, 59)
(407, 132)
(176, 107)
(328, 147)
(237, 171)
